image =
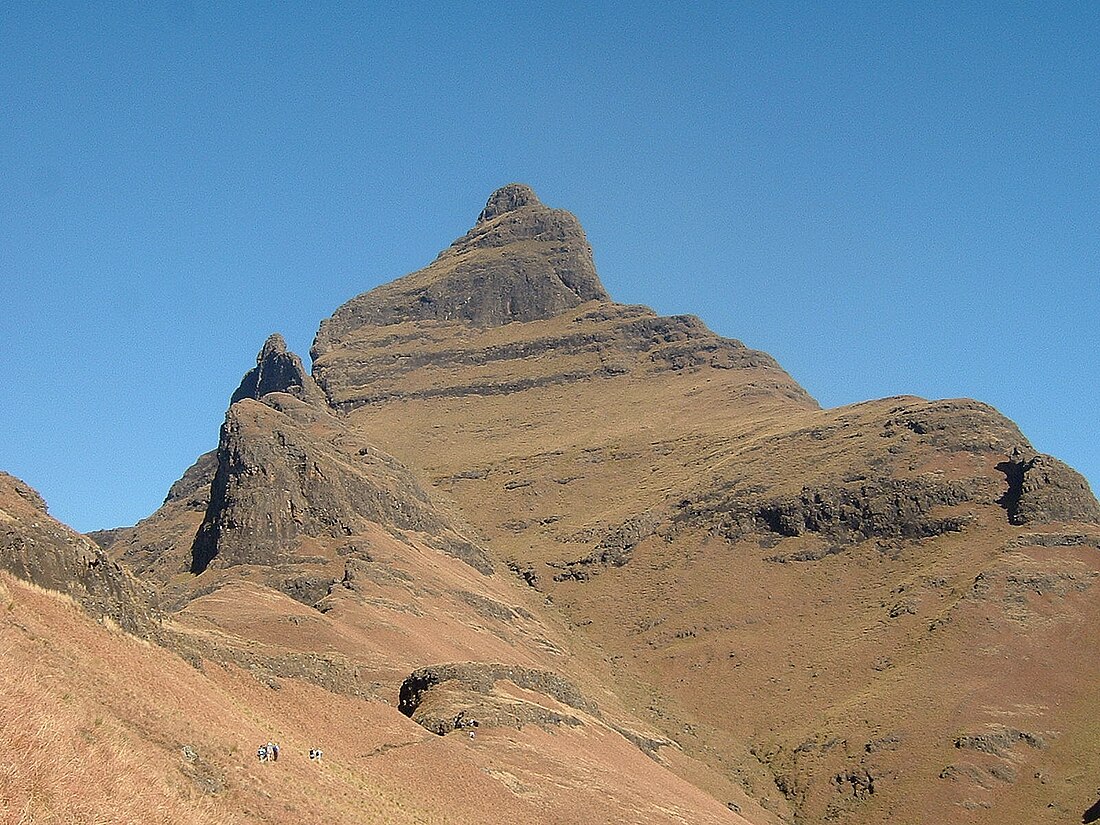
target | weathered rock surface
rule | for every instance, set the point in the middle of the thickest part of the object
(447, 697)
(605, 343)
(163, 544)
(276, 484)
(883, 508)
(520, 262)
(277, 370)
(999, 740)
(37, 548)
(287, 474)
(1043, 489)
(875, 492)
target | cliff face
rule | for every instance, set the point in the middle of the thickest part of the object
(1043, 489)
(282, 489)
(520, 262)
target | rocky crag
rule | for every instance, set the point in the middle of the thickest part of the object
(37, 548)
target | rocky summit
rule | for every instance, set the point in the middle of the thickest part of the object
(518, 552)
(520, 262)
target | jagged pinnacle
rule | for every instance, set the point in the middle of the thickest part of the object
(277, 370)
(508, 199)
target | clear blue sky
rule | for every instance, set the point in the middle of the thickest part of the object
(888, 197)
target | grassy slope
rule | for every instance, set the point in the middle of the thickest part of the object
(95, 724)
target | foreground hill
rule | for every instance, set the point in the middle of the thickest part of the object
(99, 726)
(161, 724)
(641, 564)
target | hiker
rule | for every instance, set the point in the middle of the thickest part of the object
(261, 753)
(275, 752)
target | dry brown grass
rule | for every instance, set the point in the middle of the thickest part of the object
(93, 723)
(62, 758)
(761, 669)
(63, 763)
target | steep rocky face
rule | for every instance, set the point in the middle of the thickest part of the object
(41, 550)
(276, 370)
(508, 199)
(289, 492)
(277, 485)
(290, 482)
(165, 544)
(607, 342)
(520, 262)
(1043, 489)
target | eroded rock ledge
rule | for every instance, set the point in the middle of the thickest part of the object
(442, 698)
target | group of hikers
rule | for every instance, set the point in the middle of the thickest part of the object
(270, 753)
(463, 723)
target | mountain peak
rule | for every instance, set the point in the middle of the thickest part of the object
(273, 346)
(277, 370)
(521, 261)
(508, 199)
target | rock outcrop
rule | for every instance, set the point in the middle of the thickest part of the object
(288, 475)
(862, 492)
(193, 487)
(520, 262)
(1043, 489)
(37, 548)
(447, 697)
(277, 370)
(277, 484)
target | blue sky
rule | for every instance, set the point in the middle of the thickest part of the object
(890, 198)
